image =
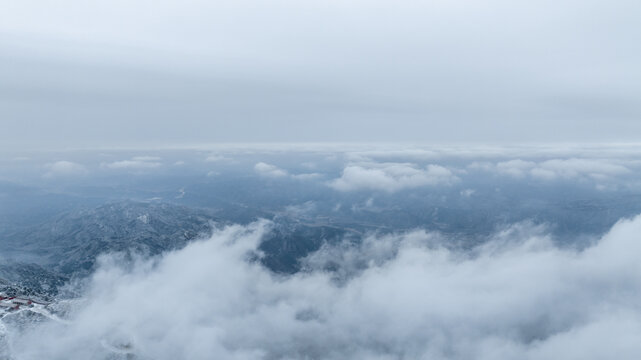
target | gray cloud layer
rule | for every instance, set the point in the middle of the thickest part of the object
(517, 297)
(121, 73)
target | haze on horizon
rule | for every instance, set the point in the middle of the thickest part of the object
(137, 73)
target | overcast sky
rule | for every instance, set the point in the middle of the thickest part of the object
(78, 73)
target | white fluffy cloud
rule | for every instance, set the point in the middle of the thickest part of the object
(273, 171)
(572, 168)
(467, 192)
(391, 177)
(216, 158)
(517, 297)
(552, 169)
(64, 168)
(135, 163)
(269, 170)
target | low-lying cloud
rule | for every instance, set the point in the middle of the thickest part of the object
(391, 177)
(555, 169)
(64, 168)
(404, 296)
(216, 158)
(135, 163)
(273, 171)
(269, 170)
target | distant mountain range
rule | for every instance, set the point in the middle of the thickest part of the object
(43, 257)
(42, 253)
